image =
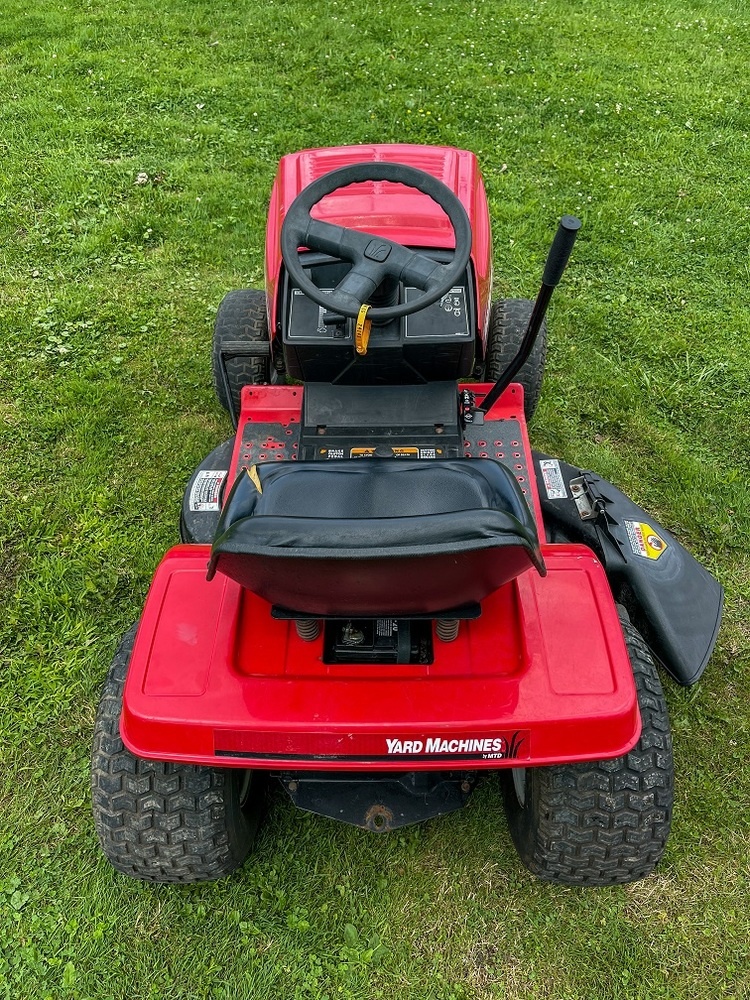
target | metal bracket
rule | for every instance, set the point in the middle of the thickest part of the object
(590, 505)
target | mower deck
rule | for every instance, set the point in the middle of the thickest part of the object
(541, 676)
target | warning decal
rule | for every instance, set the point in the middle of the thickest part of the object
(554, 483)
(205, 493)
(644, 541)
(400, 451)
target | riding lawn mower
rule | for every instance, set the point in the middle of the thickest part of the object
(382, 593)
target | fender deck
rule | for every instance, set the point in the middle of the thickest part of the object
(542, 677)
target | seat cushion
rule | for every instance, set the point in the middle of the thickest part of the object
(375, 536)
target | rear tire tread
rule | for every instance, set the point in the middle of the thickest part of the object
(156, 820)
(604, 822)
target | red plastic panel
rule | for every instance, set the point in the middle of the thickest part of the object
(260, 404)
(181, 651)
(577, 643)
(390, 210)
(267, 646)
(509, 407)
(543, 676)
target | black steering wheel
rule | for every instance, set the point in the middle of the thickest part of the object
(372, 257)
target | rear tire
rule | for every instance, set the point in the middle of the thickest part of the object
(604, 822)
(165, 822)
(508, 321)
(241, 318)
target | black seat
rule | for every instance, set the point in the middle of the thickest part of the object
(389, 537)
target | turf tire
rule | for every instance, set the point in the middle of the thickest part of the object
(241, 317)
(508, 321)
(165, 822)
(605, 822)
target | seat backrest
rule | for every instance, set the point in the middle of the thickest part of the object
(385, 537)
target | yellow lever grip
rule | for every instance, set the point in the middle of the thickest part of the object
(362, 331)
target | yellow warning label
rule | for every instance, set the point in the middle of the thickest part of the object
(644, 541)
(361, 453)
(405, 452)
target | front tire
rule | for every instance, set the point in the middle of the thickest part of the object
(241, 318)
(604, 822)
(160, 821)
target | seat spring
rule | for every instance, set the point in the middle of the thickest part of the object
(308, 629)
(447, 629)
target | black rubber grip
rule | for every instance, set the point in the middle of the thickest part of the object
(561, 249)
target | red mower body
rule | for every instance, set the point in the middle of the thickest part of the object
(382, 592)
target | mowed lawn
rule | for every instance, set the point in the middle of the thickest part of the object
(138, 143)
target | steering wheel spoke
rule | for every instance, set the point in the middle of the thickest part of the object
(414, 268)
(359, 284)
(348, 244)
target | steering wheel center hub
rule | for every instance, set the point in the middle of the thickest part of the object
(377, 250)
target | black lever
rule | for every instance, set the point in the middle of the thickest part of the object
(560, 251)
(557, 259)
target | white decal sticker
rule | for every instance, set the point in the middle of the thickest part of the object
(205, 493)
(553, 480)
(453, 302)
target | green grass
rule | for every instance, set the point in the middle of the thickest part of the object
(632, 115)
